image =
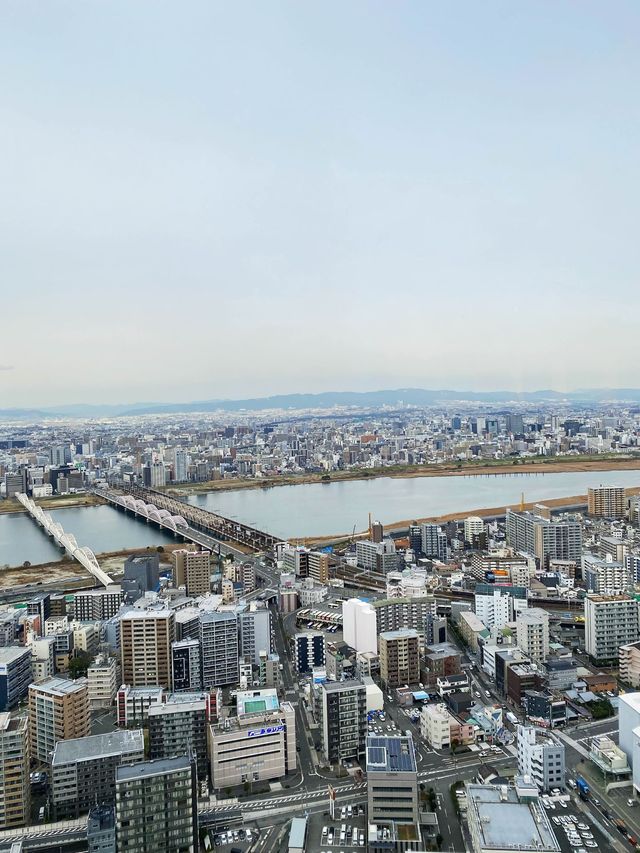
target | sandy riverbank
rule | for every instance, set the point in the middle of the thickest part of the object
(483, 512)
(497, 468)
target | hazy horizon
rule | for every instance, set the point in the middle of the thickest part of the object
(222, 201)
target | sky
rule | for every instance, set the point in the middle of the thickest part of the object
(202, 200)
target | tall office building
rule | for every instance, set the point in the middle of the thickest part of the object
(15, 790)
(473, 527)
(611, 621)
(344, 720)
(145, 647)
(58, 710)
(156, 806)
(83, 770)
(186, 666)
(180, 728)
(541, 757)
(547, 540)
(359, 625)
(532, 631)
(220, 651)
(606, 502)
(399, 657)
(192, 570)
(392, 780)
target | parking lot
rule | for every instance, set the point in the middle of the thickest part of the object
(575, 831)
(346, 832)
(241, 839)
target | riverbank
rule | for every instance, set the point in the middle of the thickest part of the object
(483, 512)
(494, 467)
(55, 502)
(69, 570)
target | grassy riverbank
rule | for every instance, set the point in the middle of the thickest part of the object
(491, 467)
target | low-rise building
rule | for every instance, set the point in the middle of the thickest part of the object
(500, 821)
(541, 757)
(133, 703)
(256, 745)
(392, 780)
(102, 680)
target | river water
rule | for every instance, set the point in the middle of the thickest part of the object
(305, 510)
(325, 509)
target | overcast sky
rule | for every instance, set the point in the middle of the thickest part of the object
(202, 199)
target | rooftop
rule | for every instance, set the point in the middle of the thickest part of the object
(504, 823)
(8, 654)
(166, 709)
(145, 769)
(59, 686)
(298, 833)
(98, 746)
(390, 754)
(257, 701)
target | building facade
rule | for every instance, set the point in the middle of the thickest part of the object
(343, 707)
(58, 710)
(611, 621)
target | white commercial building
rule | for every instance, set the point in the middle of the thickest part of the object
(541, 757)
(359, 625)
(629, 732)
(473, 526)
(102, 678)
(497, 605)
(435, 726)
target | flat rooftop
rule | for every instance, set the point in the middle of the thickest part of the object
(257, 701)
(504, 823)
(59, 686)
(390, 754)
(98, 746)
(146, 769)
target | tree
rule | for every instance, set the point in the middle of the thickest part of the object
(26, 564)
(160, 549)
(79, 664)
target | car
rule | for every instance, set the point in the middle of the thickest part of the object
(546, 804)
(596, 802)
(587, 835)
(249, 835)
(591, 844)
(631, 802)
(325, 831)
(330, 837)
(583, 826)
(563, 804)
(556, 820)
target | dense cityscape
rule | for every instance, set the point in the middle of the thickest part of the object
(319, 427)
(457, 684)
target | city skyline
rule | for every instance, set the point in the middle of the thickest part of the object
(230, 201)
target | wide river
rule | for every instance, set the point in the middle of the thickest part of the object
(305, 510)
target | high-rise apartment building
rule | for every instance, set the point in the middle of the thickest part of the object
(186, 665)
(434, 542)
(156, 806)
(392, 780)
(254, 626)
(220, 649)
(58, 710)
(473, 527)
(496, 605)
(606, 501)
(545, 539)
(180, 728)
(532, 632)
(83, 770)
(541, 757)
(611, 621)
(399, 657)
(97, 605)
(377, 556)
(15, 790)
(310, 650)
(180, 465)
(606, 577)
(344, 720)
(16, 674)
(141, 574)
(192, 570)
(102, 680)
(306, 564)
(145, 646)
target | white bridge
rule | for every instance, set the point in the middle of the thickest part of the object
(84, 556)
(162, 517)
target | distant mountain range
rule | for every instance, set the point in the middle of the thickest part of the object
(329, 400)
